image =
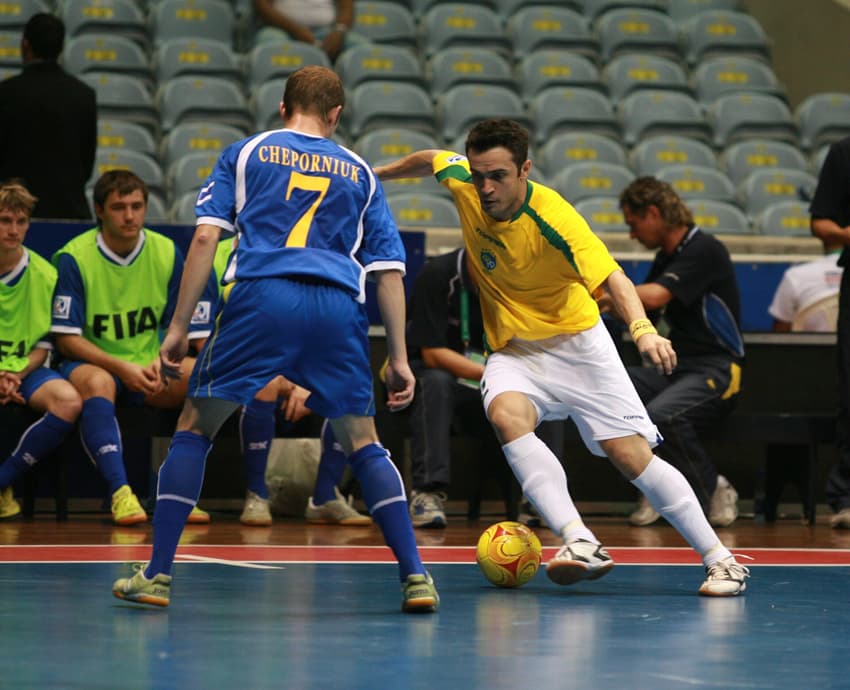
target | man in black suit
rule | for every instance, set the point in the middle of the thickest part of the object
(48, 125)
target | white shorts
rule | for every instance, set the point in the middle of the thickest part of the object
(580, 376)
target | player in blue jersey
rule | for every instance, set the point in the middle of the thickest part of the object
(312, 223)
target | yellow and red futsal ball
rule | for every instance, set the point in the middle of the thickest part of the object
(508, 554)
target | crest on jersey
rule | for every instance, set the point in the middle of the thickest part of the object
(62, 306)
(488, 260)
(201, 314)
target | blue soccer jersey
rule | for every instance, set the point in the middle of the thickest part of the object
(319, 182)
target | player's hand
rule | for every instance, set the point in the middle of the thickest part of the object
(10, 388)
(658, 351)
(400, 385)
(174, 347)
(139, 379)
(294, 407)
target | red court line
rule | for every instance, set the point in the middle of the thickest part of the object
(105, 553)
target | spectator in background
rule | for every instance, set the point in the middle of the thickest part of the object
(116, 289)
(48, 125)
(692, 280)
(26, 293)
(805, 297)
(322, 23)
(830, 222)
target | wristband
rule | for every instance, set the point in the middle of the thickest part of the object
(342, 28)
(640, 327)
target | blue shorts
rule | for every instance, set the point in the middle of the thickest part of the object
(127, 397)
(35, 380)
(315, 334)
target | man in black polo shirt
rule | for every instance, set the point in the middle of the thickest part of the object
(692, 285)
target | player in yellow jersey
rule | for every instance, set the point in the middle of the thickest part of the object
(538, 264)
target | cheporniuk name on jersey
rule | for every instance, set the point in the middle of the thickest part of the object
(309, 162)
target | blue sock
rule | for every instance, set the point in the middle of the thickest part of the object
(256, 431)
(180, 479)
(383, 491)
(35, 444)
(102, 441)
(331, 466)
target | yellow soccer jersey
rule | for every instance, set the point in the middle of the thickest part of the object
(536, 271)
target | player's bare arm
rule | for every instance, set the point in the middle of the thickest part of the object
(78, 348)
(416, 164)
(391, 304)
(196, 271)
(652, 347)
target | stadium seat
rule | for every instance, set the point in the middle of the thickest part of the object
(182, 211)
(156, 212)
(568, 148)
(412, 209)
(15, 15)
(743, 115)
(381, 103)
(506, 8)
(602, 213)
(718, 76)
(656, 152)
(633, 71)
(375, 61)
(118, 134)
(462, 24)
(763, 188)
(463, 105)
(123, 97)
(823, 119)
(584, 180)
(142, 164)
(105, 53)
(637, 30)
(595, 8)
(817, 159)
(196, 137)
(265, 104)
(682, 10)
(559, 109)
(719, 217)
(189, 173)
(787, 218)
(740, 159)
(385, 22)
(392, 142)
(543, 68)
(723, 32)
(176, 57)
(202, 99)
(10, 49)
(211, 19)
(112, 17)
(6, 72)
(698, 182)
(653, 111)
(454, 66)
(556, 28)
(278, 59)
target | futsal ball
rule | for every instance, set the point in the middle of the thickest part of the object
(508, 554)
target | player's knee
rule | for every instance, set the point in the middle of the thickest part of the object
(93, 382)
(65, 402)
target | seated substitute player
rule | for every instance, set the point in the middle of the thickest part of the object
(537, 265)
(116, 289)
(313, 224)
(26, 293)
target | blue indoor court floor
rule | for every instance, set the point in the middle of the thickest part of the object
(260, 619)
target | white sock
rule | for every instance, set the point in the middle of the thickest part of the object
(671, 495)
(544, 483)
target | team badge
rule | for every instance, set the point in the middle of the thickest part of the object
(201, 314)
(488, 260)
(62, 307)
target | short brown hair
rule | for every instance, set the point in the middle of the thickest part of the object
(493, 133)
(122, 181)
(15, 197)
(313, 89)
(650, 191)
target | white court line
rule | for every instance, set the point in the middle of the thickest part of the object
(222, 561)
